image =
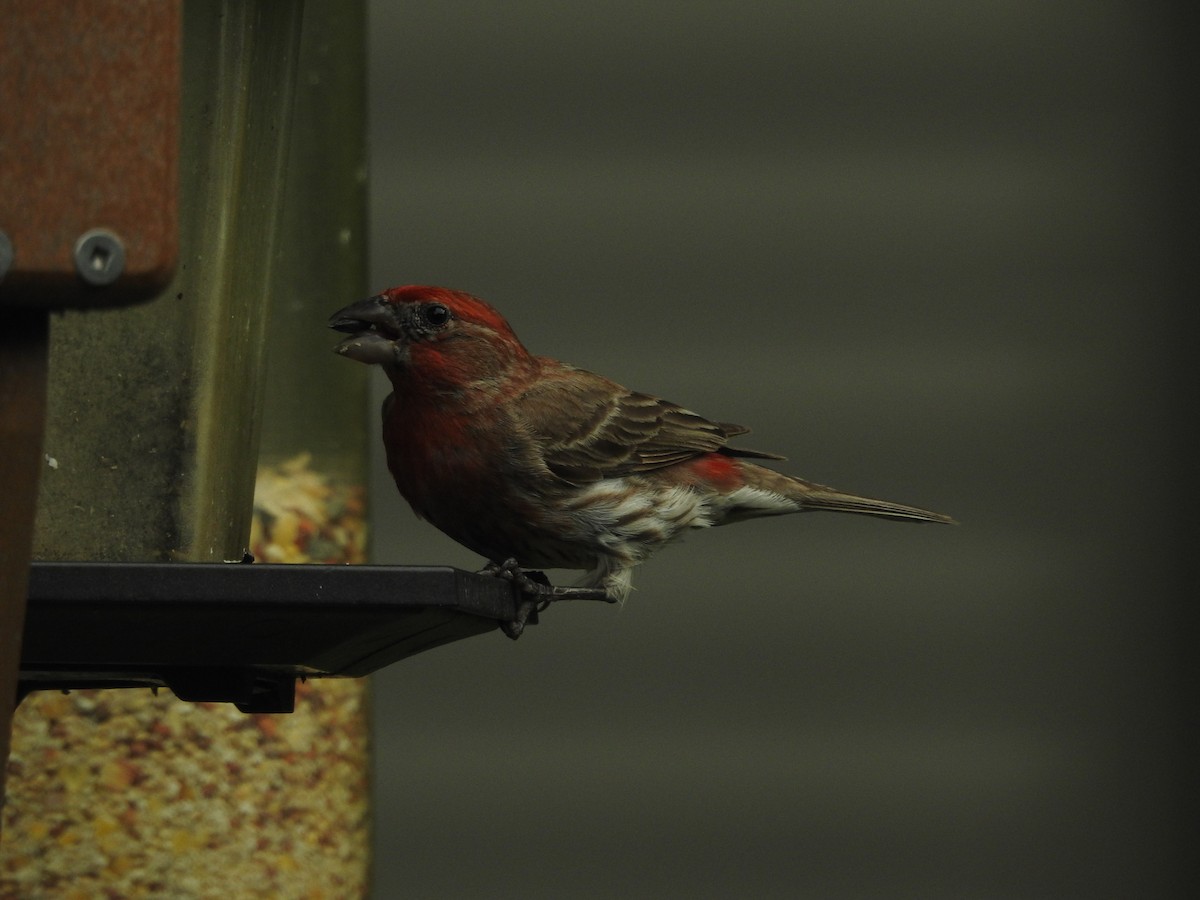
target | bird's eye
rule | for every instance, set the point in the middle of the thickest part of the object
(437, 314)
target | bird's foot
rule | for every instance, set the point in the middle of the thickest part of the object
(536, 594)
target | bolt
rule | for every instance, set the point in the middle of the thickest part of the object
(99, 257)
(6, 254)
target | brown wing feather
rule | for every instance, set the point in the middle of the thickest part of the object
(592, 428)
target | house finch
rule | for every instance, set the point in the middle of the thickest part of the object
(534, 463)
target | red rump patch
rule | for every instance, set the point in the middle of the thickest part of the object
(720, 471)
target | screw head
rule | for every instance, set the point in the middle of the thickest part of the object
(99, 257)
(6, 254)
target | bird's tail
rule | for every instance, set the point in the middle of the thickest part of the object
(819, 497)
(766, 492)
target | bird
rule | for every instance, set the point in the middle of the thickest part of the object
(534, 464)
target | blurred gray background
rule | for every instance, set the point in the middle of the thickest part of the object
(931, 252)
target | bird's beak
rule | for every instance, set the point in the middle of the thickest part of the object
(373, 329)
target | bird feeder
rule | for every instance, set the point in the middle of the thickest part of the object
(186, 183)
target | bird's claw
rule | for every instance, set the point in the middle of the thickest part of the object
(537, 593)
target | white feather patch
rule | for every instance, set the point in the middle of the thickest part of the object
(749, 502)
(626, 525)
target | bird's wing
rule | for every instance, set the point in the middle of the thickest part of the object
(592, 428)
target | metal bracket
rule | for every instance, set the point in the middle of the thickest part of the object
(242, 633)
